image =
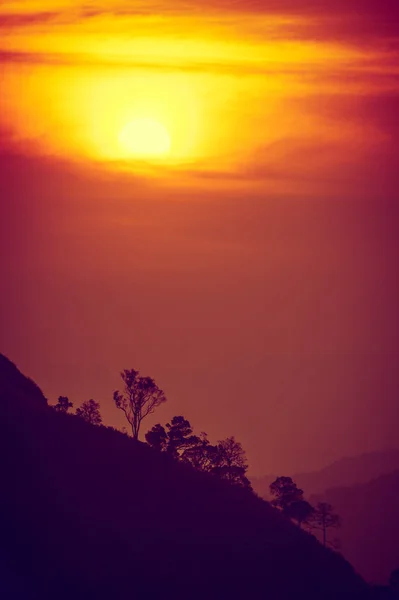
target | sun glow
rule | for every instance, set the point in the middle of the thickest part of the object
(144, 138)
(183, 93)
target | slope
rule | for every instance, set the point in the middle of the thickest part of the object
(369, 533)
(89, 513)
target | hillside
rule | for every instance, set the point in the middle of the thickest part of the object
(89, 513)
(370, 525)
(347, 471)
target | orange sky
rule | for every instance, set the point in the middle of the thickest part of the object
(255, 260)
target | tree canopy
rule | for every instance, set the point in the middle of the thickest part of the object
(140, 398)
(90, 412)
(226, 458)
(63, 404)
(324, 518)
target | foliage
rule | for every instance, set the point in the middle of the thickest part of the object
(180, 436)
(323, 518)
(230, 462)
(226, 459)
(299, 510)
(140, 398)
(157, 438)
(133, 524)
(285, 492)
(90, 412)
(63, 404)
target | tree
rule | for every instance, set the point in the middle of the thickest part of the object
(90, 412)
(230, 462)
(323, 518)
(226, 459)
(285, 492)
(157, 438)
(201, 455)
(141, 397)
(177, 439)
(299, 510)
(63, 404)
(180, 436)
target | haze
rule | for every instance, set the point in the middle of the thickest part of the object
(253, 271)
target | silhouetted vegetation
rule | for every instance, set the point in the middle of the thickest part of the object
(140, 398)
(90, 412)
(137, 523)
(226, 459)
(63, 404)
(369, 532)
(289, 499)
(285, 491)
(324, 518)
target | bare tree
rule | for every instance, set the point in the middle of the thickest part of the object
(140, 398)
(324, 518)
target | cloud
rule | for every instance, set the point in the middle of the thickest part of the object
(342, 19)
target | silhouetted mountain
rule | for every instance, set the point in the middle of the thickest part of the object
(89, 513)
(369, 533)
(16, 390)
(347, 471)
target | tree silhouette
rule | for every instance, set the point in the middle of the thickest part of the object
(323, 518)
(141, 397)
(180, 436)
(285, 492)
(226, 459)
(177, 439)
(230, 462)
(90, 412)
(201, 455)
(63, 404)
(157, 438)
(299, 510)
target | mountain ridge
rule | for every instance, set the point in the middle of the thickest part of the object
(346, 471)
(92, 513)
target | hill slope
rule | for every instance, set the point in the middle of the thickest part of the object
(89, 513)
(370, 525)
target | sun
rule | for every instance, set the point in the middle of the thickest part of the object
(144, 138)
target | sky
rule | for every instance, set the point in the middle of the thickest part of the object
(207, 192)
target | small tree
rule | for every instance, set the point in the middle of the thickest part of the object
(63, 404)
(180, 436)
(90, 412)
(141, 397)
(176, 439)
(323, 518)
(285, 492)
(201, 454)
(299, 510)
(230, 462)
(157, 438)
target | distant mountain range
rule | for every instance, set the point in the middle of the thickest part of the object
(364, 492)
(369, 533)
(88, 512)
(344, 472)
